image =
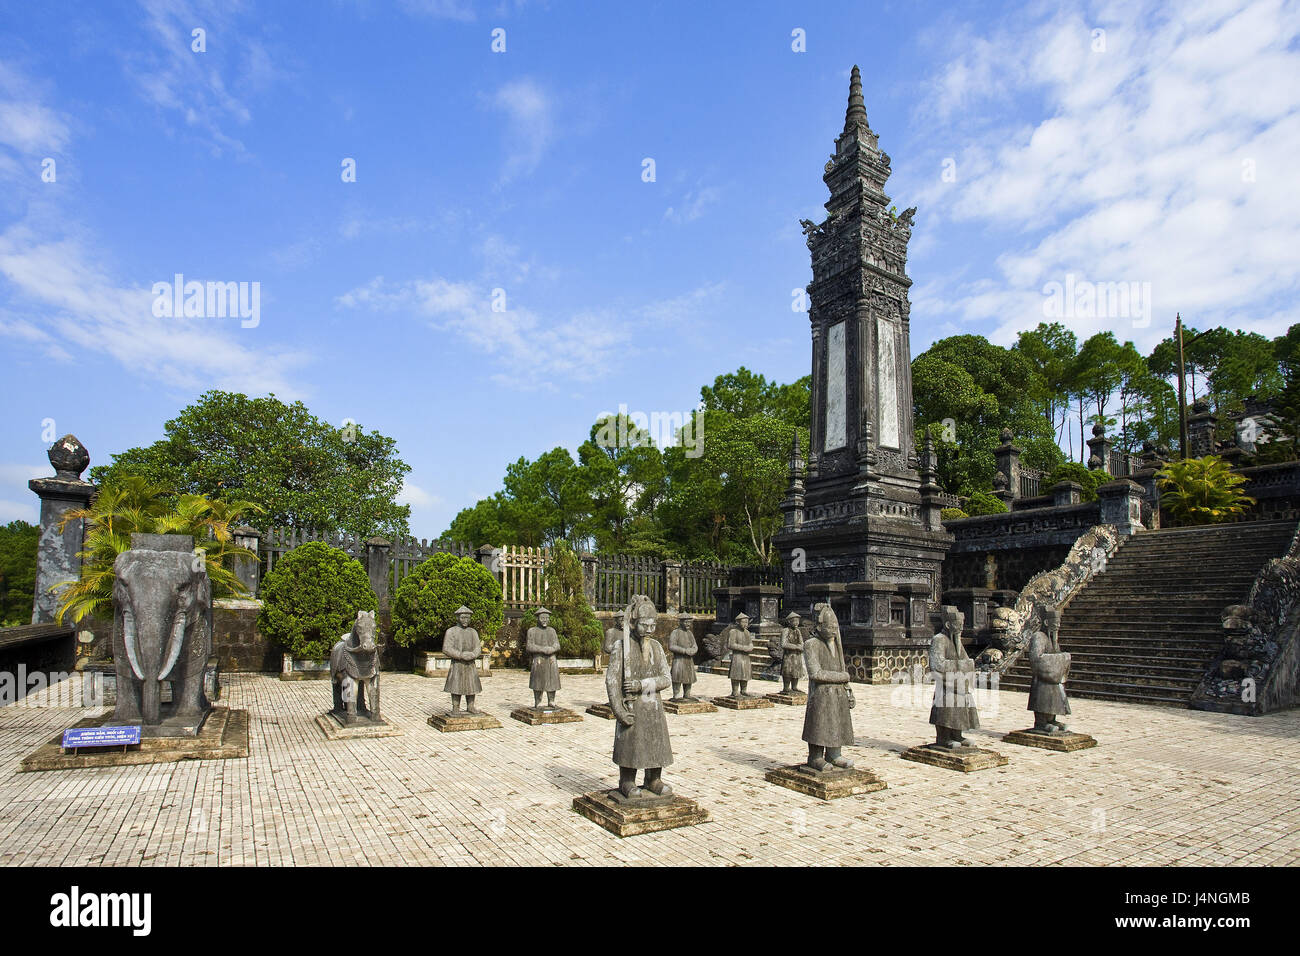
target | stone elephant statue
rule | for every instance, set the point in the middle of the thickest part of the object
(162, 628)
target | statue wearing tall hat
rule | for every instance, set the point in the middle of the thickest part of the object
(637, 673)
(741, 644)
(681, 644)
(1050, 667)
(544, 673)
(827, 723)
(463, 648)
(954, 676)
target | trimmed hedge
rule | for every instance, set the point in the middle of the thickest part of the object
(982, 503)
(426, 601)
(311, 599)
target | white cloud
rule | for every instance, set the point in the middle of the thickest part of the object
(417, 497)
(1133, 164)
(692, 205)
(531, 127)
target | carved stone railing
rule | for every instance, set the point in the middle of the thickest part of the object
(1258, 670)
(1052, 589)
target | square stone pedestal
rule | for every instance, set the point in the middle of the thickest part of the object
(223, 736)
(622, 817)
(689, 707)
(743, 703)
(1066, 742)
(797, 699)
(967, 759)
(544, 715)
(335, 728)
(826, 784)
(446, 722)
(601, 710)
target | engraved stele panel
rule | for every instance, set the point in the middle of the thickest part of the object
(887, 378)
(836, 418)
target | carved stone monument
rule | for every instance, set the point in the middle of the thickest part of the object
(354, 679)
(788, 650)
(954, 707)
(683, 647)
(740, 644)
(462, 645)
(1050, 666)
(637, 674)
(828, 723)
(863, 512)
(543, 644)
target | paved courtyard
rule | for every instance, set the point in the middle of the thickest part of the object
(1163, 787)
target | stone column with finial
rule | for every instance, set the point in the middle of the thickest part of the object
(58, 556)
(1099, 447)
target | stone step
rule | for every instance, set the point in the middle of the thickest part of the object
(1095, 665)
(1124, 693)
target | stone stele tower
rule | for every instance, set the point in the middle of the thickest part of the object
(861, 518)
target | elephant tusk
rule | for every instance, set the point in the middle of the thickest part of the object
(177, 637)
(129, 640)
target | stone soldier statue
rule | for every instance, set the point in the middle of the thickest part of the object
(544, 674)
(741, 644)
(462, 645)
(1050, 666)
(637, 672)
(613, 634)
(792, 668)
(681, 644)
(954, 672)
(827, 723)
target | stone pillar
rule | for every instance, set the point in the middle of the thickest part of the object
(588, 577)
(57, 556)
(1066, 493)
(671, 572)
(1200, 431)
(489, 557)
(870, 602)
(248, 570)
(725, 602)
(1121, 505)
(974, 606)
(830, 592)
(1007, 457)
(1099, 446)
(377, 550)
(917, 620)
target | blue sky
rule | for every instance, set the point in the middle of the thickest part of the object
(1118, 142)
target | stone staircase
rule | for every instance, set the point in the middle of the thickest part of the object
(1146, 629)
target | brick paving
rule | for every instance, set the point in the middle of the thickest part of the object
(1164, 787)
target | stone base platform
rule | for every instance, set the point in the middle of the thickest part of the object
(826, 784)
(334, 728)
(624, 818)
(743, 703)
(1066, 742)
(967, 759)
(689, 707)
(601, 710)
(224, 736)
(447, 722)
(544, 715)
(797, 699)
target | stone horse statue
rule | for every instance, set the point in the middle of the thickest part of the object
(354, 671)
(162, 629)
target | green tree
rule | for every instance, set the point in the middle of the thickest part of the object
(1050, 350)
(571, 616)
(311, 598)
(303, 472)
(426, 601)
(18, 541)
(1202, 491)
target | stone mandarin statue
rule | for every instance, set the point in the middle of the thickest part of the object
(544, 673)
(637, 673)
(792, 667)
(613, 634)
(954, 673)
(354, 672)
(741, 644)
(1050, 666)
(462, 646)
(681, 644)
(827, 723)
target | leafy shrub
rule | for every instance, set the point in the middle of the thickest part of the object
(1202, 491)
(1087, 478)
(949, 513)
(571, 615)
(311, 599)
(426, 601)
(983, 503)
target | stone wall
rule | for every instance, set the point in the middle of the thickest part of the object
(1005, 551)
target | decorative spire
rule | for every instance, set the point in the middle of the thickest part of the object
(856, 116)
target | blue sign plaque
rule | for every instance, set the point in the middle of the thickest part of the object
(76, 737)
